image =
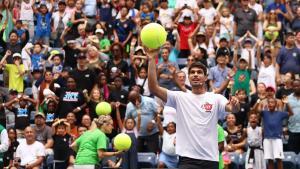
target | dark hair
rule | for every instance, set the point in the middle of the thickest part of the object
(130, 118)
(80, 125)
(13, 31)
(198, 65)
(172, 122)
(288, 34)
(119, 45)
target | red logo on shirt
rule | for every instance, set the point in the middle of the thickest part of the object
(207, 107)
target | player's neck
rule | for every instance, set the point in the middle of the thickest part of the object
(199, 90)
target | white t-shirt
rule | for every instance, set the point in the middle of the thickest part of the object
(26, 12)
(267, 75)
(140, 81)
(165, 17)
(208, 15)
(169, 115)
(29, 153)
(187, 81)
(197, 117)
(168, 146)
(245, 54)
(56, 18)
(228, 21)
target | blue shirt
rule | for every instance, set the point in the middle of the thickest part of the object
(275, 6)
(43, 25)
(217, 75)
(294, 121)
(172, 56)
(289, 60)
(148, 110)
(123, 28)
(36, 61)
(90, 7)
(273, 124)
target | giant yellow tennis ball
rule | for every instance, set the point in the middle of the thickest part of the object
(153, 35)
(122, 142)
(103, 108)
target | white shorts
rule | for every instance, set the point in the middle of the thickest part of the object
(273, 149)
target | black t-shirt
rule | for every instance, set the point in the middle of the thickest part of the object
(70, 56)
(68, 101)
(22, 116)
(85, 79)
(92, 109)
(119, 96)
(61, 147)
(241, 116)
(9, 154)
(283, 92)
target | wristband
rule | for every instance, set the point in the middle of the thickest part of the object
(78, 108)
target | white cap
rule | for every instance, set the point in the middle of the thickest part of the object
(17, 55)
(99, 31)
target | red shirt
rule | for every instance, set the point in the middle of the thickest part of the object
(184, 32)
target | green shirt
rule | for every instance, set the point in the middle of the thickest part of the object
(221, 138)
(15, 80)
(241, 81)
(89, 144)
(104, 43)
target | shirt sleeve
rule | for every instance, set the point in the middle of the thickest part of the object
(49, 133)
(4, 141)
(171, 99)
(101, 142)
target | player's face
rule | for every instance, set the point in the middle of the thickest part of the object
(197, 77)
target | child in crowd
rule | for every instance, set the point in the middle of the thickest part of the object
(13, 144)
(22, 112)
(255, 154)
(61, 141)
(93, 100)
(241, 116)
(27, 17)
(50, 111)
(146, 14)
(56, 61)
(168, 157)
(38, 56)
(226, 23)
(130, 160)
(21, 31)
(43, 23)
(272, 120)
(16, 71)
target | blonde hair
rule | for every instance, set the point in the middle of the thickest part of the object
(102, 119)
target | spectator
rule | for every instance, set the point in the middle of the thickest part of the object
(131, 128)
(122, 28)
(71, 119)
(94, 98)
(4, 143)
(37, 55)
(63, 154)
(245, 19)
(280, 10)
(255, 154)
(78, 17)
(286, 60)
(166, 70)
(8, 157)
(168, 157)
(30, 153)
(272, 28)
(242, 115)
(273, 146)
(71, 100)
(15, 71)
(83, 74)
(287, 87)
(267, 70)
(295, 20)
(236, 139)
(148, 134)
(86, 121)
(27, 17)
(294, 130)
(22, 113)
(90, 10)
(43, 28)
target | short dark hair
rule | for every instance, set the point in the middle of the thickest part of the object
(198, 65)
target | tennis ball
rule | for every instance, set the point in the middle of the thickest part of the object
(153, 35)
(122, 142)
(103, 108)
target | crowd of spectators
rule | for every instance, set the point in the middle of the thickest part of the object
(60, 58)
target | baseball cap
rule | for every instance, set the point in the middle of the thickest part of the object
(201, 33)
(13, 92)
(244, 59)
(17, 55)
(222, 52)
(71, 41)
(62, 3)
(39, 114)
(99, 31)
(67, 69)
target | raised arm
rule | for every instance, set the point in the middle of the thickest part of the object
(152, 77)
(119, 120)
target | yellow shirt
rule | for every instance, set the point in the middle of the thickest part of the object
(15, 80)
